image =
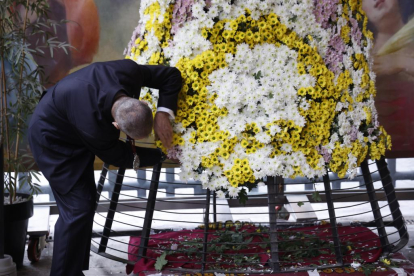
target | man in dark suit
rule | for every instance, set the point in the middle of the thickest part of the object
(79, 118)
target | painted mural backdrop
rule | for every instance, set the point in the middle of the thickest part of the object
(392, 24)
(100, 29)
(97, 30)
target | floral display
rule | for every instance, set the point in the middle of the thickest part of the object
(270, 87)
(246, 247)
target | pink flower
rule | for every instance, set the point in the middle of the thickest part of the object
(324, 11)
(356, 32)
(335, 53)
(325, 153)
(174, 153)
(181, 13)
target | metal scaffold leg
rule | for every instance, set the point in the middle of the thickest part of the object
(273, 188)
(112, 209)
(332, 218)
(101, 183)
(393, 204)
(375, 207)
(205, 238)
(149, 212)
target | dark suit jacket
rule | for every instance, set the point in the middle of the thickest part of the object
(72, 122)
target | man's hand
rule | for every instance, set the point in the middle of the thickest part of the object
(163, 129)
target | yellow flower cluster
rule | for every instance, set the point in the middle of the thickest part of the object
(356, 7)
(377, 149)
(161, 29)
(240, 171)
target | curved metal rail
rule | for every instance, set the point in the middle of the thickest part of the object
(209, 210)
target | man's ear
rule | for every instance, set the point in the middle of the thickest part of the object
(115, 125)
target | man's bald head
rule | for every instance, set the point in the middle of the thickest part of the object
(133, 117)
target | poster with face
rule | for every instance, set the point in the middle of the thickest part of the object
(81, 31)
(392, 23)
(97, 31)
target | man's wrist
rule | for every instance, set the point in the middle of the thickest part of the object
(166, 111)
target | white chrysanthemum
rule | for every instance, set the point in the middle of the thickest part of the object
(233, 191)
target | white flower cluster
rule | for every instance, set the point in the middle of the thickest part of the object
(259, 85)
(188, 41)
(259, 100)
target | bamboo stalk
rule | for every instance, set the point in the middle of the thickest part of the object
(1, 86)
(20, 84)
(1, 151)
(6, 124)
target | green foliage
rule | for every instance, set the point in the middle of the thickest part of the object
(228, 244)
(21, 82)
(242, 196)
(161, 261)
(316, 196)
(294, 247)
(367, 268)
(258, 75)
(299, 246)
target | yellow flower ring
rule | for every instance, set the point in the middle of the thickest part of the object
(241, 117)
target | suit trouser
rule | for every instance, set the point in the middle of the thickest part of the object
(73, 230)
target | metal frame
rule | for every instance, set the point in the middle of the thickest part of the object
(275, 197)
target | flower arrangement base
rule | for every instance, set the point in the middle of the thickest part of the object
(250, 245)
(254, 246)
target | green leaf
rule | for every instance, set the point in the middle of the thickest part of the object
(257, 75)
(323, 262)
(242, 196)
(316, 196)
(300, 203)
(161, 261)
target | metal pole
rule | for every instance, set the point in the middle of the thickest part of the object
(375, 208)
(214, 208)
(332, 217)
(101, 183)
(1, 203)
(149, 211)
(206, 222)
(397, 216)
(272, 193)
(112, 209)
